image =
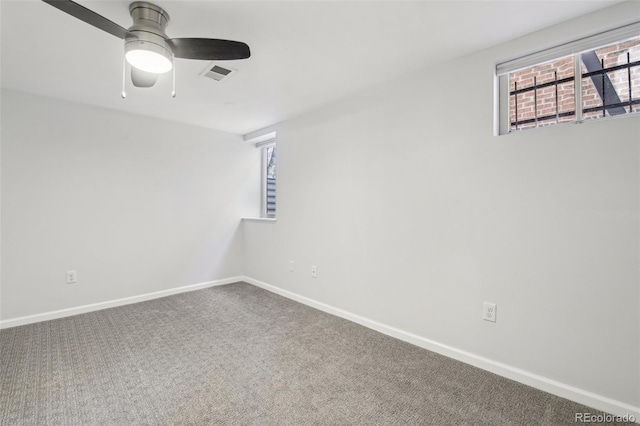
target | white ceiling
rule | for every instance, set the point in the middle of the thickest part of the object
(304, 54)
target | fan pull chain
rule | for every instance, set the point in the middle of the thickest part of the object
(124, 78)
(173, 93)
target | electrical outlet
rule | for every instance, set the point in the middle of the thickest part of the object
(314, 271)
(489, 311)
(72, 277)
(291, 266)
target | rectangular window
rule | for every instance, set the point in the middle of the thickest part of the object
(542, 95)
(542, 89)
(269, 160)
(611, 80)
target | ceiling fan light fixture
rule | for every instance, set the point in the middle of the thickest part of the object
(147, 47)
(148, 57)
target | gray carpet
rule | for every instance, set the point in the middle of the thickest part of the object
(239, 355)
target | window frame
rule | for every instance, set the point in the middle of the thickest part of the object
(574, 49)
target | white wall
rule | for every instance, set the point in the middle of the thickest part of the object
(134, 204)
(415, 214)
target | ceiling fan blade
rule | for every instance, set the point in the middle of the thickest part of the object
(141, 78)
(90, 17)
(209, 49)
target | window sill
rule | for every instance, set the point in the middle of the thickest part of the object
(260, 219)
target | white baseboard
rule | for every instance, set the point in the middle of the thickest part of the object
(46, 316)
(554, 387)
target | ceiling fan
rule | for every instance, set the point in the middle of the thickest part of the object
(148, 49)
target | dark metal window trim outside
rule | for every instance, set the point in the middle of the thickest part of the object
(611, 107)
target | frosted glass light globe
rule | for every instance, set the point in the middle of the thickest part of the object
(149, 57)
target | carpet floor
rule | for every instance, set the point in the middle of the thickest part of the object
(240, 355)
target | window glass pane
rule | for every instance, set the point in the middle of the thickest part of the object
(618, 83)
(542, 95)
(270, 196)
(271, 162)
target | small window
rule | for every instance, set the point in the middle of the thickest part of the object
(269, 160)
(611, 80)
(542, 95)
(546, 93)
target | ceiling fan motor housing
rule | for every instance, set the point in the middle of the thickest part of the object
(149, 23)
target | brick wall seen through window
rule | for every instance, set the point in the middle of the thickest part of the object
(544, 94)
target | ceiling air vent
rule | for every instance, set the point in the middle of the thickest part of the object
(217, 72)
